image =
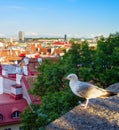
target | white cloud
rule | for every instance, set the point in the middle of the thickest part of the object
(11, 7)
(31, 34)
(2, 35)
(92, 35)
(15, 7)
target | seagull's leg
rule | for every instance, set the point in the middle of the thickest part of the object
(87, 100)
(85, 105)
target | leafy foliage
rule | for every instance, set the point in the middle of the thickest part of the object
(53, 105)
(29, 119)
(57, 104)
(50, 79)
(100, 65)
(106, 61)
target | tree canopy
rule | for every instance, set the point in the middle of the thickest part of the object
(100, 65)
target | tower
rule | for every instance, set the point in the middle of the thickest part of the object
(21, 36)
(65, 38)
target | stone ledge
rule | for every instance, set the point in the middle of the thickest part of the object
(102, 114)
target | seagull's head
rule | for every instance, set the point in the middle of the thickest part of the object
(72, 77)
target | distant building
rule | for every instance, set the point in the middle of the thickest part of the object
(2, 44)
(21, 36)
(65, 38)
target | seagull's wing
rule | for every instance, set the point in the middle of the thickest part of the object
(88, 91)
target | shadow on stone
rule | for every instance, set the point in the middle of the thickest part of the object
(102, 114)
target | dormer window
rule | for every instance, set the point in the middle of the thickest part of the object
(16, 114)
(1, 117)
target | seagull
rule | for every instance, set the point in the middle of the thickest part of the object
(87, 90)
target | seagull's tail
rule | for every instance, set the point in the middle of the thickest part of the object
(109, 94)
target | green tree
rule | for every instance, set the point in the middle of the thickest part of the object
(100, 65)
(86, 61)
(29, 118)
(50, 79)
(106, 61)
(57, 97)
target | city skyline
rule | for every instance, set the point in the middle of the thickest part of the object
(55, 18)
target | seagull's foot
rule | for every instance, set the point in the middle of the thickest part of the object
(79, 102)
(83, 106)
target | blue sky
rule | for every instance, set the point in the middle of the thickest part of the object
(76, 18)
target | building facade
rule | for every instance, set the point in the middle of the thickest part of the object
(14, 95)
(21, 36)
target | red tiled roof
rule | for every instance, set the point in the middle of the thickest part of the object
(58, 51)
(68, 45)
(37, 55)
(8, 105)
(23, 54)
(29, 80)
(33, 48)
(59, 43)
(33, 64)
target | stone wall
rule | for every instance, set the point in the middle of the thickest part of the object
(102, 114)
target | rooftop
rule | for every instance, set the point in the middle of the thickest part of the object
(8, 105)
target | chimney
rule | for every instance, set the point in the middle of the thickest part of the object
(26, 60)
(25, 70)
(18, 78)
(16, 91)
(40, 60)
(19, 70)
(4, 72)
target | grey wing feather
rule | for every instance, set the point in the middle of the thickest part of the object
(88, 90)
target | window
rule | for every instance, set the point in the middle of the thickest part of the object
(1, 117)
(16, 114)
(8, 129)
(20, 128)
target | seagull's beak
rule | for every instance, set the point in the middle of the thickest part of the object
(64, 78)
